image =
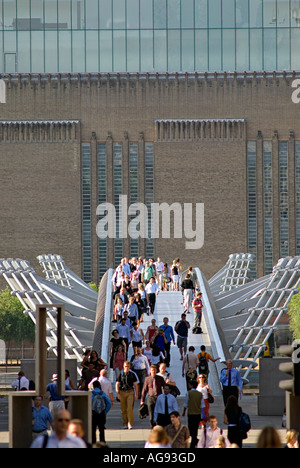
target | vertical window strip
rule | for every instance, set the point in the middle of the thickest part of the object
(252, 204)
(297, 194)
(118, 191)
(86, 212)
(149, 194)
(283, 199)
(268, 207)
(102, 198)
(133, 190)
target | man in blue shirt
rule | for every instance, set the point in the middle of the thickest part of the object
(165, 404)
(41, 417)
(232, 382)
(99, 419)
(169, 334)
(57, 402)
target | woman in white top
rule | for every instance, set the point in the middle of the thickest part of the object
(204, 388)
(147, 351)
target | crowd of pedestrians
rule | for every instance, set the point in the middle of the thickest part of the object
(140, 360)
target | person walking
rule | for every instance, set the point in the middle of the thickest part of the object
(193, 407)
(21, 383)
(209, 436)
(204, 358)
(231, 381)
(178, 433)
(127, 390)
(152, 388)
(189, 365)
(101, 405)
(232, 414)
(165, 404)
(41, 417)
(59, 437)
(169, 334)
(140, 365)
(182, 327)
(205, 389)
(152, 291)
(188, 292)
(197, 306)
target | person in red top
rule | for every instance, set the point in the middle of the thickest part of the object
(197, 308)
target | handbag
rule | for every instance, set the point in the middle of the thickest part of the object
(192, 372)
(210, 398)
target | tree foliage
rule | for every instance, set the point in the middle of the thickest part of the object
(294, 313)
(14, 325)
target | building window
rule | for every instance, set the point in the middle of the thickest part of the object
(149, 194)
(118, 192)
(283, 199)
(133, 190)
(252, 204)
(268, 207)
(297, 194)
(86, 212)
(102, 198)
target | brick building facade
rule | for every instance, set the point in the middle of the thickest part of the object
(69, 142)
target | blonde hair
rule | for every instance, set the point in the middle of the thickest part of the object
(158, 436)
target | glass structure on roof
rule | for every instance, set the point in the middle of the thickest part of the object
(148, 35)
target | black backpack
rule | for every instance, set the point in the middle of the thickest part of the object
(203, 364)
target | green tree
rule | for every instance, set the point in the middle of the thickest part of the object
(294, 313)
(14, 325)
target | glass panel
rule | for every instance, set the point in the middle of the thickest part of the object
(174, 63)
(133, 191)
(51, 52)
(118, 14)
(64, 41)
(283, 49)
(229, 49)
(78, 51)
(173, 13)
(51, 14)
(146, 51)
(1, 17)
(102, 176)
(24, 51)
(78, 14)
(133, 14)
(295, 13)
(269, 13)
(64, 14)
(149, 194)
(10, 14)
(146, 15)
(283, 14)
(105, 14)
(214, 13)
(133, 51)
(187, 13)
(160, 50)
(37, 52)
(215, 50)
(228, 13)
(295, 47)
(91, 14)
(201, 50)
(256, 50)
(242, 49)
(119, 51)
(242, 17)
(188, 51)
(201, 14)
(23, 16)
(256, 13)
(160, 14)
(105, 51)
(10, 63)
(92, 51)
(10, 41)
(37, 14)
(269, 49)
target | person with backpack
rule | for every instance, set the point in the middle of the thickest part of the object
(209, 436)
(203, 358)
(101, 405)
